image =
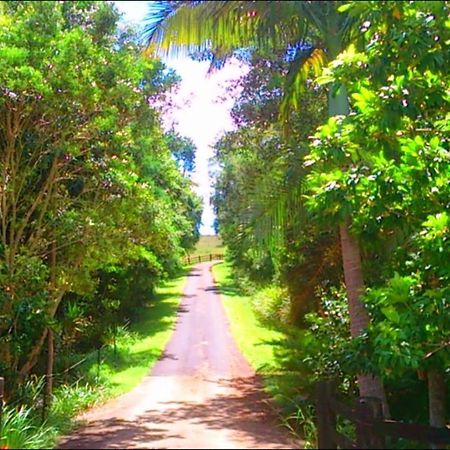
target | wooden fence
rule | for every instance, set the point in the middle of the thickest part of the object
(371, 427)
(203, 258)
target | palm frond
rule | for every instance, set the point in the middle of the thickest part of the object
(275, 204)
(308, 61)
(189, 27)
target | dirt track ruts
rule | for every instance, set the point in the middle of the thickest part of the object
(202, 393)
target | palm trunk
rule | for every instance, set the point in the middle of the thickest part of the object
(368, 385)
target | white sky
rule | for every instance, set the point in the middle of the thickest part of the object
(199, 114)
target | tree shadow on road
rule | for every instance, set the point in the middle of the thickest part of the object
(246, 410)
(114, 433)
(242, 408)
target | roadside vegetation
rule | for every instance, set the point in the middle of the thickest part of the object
(96, 213)
(122, 367)
(267, 346)
(254, 338)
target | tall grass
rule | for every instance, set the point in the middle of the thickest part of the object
(20, 429)
(22, 426)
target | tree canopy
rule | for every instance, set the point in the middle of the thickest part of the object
(90, 192)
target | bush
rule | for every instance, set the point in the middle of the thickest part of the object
(68, 401)
(272, 305)
(21, 426)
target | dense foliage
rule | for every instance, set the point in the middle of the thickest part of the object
(281, 194)
(95, 210)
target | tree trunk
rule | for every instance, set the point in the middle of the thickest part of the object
(436, 400)
(354, 281)
(33, 355)
(368, 385)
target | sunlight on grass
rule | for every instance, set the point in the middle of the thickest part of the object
(263, 346)
(139, 349)
(252, 337)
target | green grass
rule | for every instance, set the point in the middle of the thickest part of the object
(208, 244)
(269, 351)
(264, 347)
(140, 347)
(254, 339)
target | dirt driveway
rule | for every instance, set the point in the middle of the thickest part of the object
(202, 393)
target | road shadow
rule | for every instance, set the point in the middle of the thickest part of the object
(166, 355)
(194, 272)
(115, 433)
(213, 289)
(243, 409)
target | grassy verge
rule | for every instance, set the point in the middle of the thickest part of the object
(253, 338)
(268, 350)
(137, 350)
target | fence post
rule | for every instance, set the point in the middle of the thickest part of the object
(2, 391)
(326, 418)
(48, 377)
(99, 362)
(370, 411)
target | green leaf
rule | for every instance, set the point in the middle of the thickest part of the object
(391, 314)
(345, 8)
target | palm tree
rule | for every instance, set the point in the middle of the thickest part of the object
(222, 27)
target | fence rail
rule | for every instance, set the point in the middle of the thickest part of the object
(203, 258)
(371, 427)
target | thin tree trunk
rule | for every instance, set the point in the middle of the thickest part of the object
(49, 371)
(50, 336)
(33, 355)
(436, 400)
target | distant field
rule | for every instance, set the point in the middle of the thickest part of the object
(207, 245)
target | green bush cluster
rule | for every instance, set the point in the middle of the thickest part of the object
(272, 305)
